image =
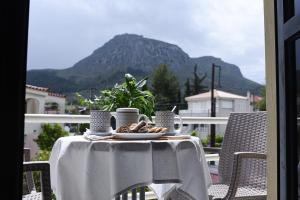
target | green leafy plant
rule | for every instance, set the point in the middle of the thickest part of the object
(205, 141)
(50, 133)
(194, 133)
(218, 141)
(83, 127)
(43, 155)
(130, 94)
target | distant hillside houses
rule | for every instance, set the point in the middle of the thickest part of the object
(40, 100)
(200, 106)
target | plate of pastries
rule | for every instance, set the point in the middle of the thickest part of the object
(140, 130)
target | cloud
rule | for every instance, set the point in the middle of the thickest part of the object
(61, 32)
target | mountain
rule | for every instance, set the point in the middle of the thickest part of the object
(130, 53)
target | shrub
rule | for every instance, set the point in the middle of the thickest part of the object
(205, 141)
(218, 142)
(83, 127)
(43, 155)
(219, 139)
(194, 133)
(50, 133)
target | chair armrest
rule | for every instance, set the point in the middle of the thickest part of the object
(212, 149)
(26, 154)
(236, 170)
(241, 155)
(36, 166)
(44, 168)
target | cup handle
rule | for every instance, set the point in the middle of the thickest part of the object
(145, 116)
(178, 131)
(113, 114)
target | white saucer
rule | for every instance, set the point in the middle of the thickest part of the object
(89, 132)
(138, 135)
(171, 134)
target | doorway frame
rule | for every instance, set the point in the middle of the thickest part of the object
(271, 97)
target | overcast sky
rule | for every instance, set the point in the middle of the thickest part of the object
(61, 32)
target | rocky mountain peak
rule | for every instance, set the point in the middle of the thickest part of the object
(138, 55)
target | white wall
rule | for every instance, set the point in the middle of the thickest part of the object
(241, 105)
(198, 107)
(224, 107)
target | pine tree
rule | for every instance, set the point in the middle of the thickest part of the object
(187, 88)
(165, 85)
(179, 96)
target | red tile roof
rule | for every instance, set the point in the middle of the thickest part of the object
(257, 98)
(43, 89)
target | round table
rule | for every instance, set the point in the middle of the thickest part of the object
(100, 170)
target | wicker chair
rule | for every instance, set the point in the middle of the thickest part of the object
(242, 165)
(44, 168)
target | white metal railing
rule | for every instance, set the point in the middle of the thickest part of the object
(61, 118)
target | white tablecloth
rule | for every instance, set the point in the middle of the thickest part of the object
(98, 170)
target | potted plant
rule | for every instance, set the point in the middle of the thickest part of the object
(130, 93)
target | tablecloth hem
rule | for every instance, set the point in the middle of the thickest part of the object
(167, 181)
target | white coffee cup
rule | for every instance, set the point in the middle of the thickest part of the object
(126, 116)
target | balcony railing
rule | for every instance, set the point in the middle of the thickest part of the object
(61, 118)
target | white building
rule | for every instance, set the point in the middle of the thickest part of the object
(40, 100)
(199, 106)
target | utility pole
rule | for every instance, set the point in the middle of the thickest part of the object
(213, 105)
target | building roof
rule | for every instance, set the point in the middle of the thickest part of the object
(43, 89)
(217, 94)
(257, 98)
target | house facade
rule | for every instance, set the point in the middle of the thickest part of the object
(200, 106)
(40, 100)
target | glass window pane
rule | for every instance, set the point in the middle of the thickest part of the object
(226, 104)
(297, 7)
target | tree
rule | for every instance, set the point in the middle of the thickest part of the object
(187, 88)
(198, 86)
(261, 105)
(179, 96)
(165, 85)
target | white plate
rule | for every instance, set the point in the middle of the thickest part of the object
(89, 132)
(138, 135)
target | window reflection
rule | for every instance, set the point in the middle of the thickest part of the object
(297, 6)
